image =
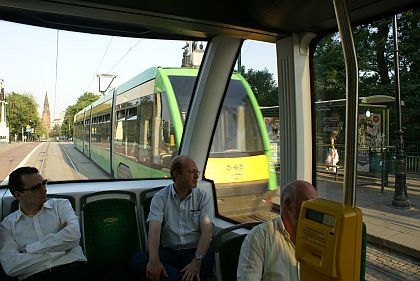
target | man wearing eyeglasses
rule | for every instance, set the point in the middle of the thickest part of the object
(180, 229)
(40, 241)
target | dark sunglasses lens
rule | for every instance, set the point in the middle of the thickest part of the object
(39, 186)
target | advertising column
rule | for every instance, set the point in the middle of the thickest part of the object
(4, 130)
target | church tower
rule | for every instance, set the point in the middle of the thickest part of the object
(46, 116)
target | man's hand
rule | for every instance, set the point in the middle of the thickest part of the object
(192, 270)
(63, 225)
(154, 269)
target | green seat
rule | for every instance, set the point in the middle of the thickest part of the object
(227, 250)
(109, 227)
(145, 201)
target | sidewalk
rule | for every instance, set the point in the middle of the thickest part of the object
(396, 229)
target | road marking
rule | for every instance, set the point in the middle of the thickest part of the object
(21, 164)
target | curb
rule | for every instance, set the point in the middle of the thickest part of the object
(393, 246)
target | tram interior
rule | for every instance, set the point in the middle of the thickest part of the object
(225, 24)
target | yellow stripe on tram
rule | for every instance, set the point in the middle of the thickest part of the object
(237, 169)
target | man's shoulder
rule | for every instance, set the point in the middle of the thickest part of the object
(11, 217)
(163, 192)
(266, 227)
(52, 202)
(201, 193)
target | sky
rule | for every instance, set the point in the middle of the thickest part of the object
(29, 62)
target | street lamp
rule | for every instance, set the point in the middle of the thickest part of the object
(105, 78)
(400, 199)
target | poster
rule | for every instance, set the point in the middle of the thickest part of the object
(369, 134)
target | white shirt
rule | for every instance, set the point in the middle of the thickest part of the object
(267, 254)
(181, 220)
(30, 244)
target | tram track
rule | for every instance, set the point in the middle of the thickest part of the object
(379, 272)
(384, 264)
(53, 161)
(76, 171)
(43, 155)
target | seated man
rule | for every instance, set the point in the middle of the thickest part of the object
(40, 241)
(180, 229)
(268, 251)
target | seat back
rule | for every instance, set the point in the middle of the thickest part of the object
(109, 227)
(145, 201)
(15, 204)
(227, 250)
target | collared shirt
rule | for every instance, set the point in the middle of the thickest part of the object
(181, 220)
(267, 253)
(30, 244)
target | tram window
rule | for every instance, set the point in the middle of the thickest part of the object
(145, 136)
(237, 128)
(239, 162)
(132, 113)
(121, 115)
(145, 129)
(164, 132)
(376, 141)
(130, 129)
(183, 87)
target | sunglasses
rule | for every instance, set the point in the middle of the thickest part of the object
(36, 187)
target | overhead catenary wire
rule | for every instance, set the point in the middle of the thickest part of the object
(129, 50)
(102, 59)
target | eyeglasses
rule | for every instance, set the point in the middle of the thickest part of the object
(194, 172)
(36, 187)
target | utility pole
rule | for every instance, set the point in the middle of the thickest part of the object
(400, 199)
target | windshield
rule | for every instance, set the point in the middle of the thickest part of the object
(83, 106)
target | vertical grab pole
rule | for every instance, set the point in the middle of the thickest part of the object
(352, 78)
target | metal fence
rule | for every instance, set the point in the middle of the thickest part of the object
(413, 164)
(375, 158)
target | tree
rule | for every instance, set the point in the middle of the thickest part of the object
(263, 85)
(23, 112)
(409, 36)
(84, 100)
(55, 132)
(375, 54)
(328, 62)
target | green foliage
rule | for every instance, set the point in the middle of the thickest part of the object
(55, 131)
(375, 55)
(329, 77)
(263, 85)
(84, 100)
(23, 111)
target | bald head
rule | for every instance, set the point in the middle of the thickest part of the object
(296, 190)
(178, 164)
(292, 197)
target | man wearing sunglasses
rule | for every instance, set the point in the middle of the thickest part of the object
(40, 241)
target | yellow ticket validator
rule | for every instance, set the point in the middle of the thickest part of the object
(329, 241)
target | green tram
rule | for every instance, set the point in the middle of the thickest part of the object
(135, 130)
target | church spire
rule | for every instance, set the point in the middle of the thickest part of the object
(46, 117)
